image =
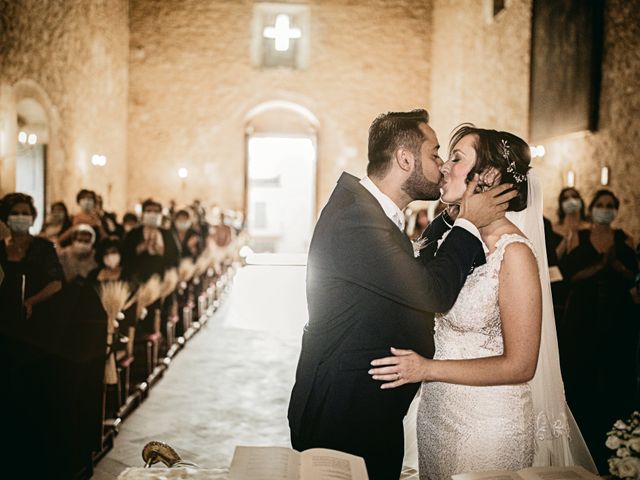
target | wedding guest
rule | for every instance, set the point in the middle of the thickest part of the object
(57, 222)
(149, 249)
(109, 220)
(189, 238)
(129, 222)
(32, 271)
(221, 232)
(109, 259)
(421, 222)
(87, 200)
(78, 259)
(599, 333)
(33, 278)
(571, 218)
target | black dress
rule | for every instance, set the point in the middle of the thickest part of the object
(39, 267)
(26, 347)
(598, 343)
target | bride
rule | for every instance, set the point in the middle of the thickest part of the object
(481, 406)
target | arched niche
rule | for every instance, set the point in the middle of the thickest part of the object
(281, 136)
(26, 107)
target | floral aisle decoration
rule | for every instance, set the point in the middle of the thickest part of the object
(624, 440)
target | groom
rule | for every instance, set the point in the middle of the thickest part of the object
(366, 291)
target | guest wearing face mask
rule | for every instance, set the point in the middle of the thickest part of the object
(78, 259)
(187, 236)
(28, 325)
(149, 249)
(571, 219)
(57, 222)
(32, 272)
(109, 258)
(599, 333)
(89, 214)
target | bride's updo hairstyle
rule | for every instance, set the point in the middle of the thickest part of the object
(506, 152)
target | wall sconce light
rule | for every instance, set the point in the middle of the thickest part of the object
(604, 176)
(537, 151)
(30, 138)
(183, 173)
(571, 178)
(99, 160)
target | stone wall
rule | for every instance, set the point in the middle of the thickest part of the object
(481, 75)
(192, 86)
(71, 57)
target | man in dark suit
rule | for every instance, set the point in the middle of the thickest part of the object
(366, 292)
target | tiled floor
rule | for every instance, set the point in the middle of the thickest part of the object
(230, 385)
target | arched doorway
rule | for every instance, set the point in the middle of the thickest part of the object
(31, 154)
(280, 179)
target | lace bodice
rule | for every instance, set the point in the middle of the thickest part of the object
(472, 328)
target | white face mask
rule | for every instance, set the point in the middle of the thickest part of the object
(183, 225)
(112, 260)
(151, 219)
(571, 205)
(19, 223)
(603, 216)
(81, 247)
(86, 204)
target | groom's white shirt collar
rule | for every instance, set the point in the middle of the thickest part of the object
(391, 210)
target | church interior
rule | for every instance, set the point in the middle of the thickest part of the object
(229, 122)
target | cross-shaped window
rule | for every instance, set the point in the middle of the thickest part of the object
(282, 32)
(280, 35)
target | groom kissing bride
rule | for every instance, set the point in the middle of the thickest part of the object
(367, 292)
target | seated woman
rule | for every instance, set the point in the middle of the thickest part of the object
(57, 223)
(187, 236)
(78, 258)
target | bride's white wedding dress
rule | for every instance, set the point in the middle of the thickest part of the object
(466, 428)
(463, 428)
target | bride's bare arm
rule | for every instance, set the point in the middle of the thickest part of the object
(520, 302)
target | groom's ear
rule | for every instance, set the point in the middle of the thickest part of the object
(404, 159)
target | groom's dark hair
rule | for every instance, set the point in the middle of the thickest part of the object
(390, 131)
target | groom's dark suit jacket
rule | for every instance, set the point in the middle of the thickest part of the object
(366, 292)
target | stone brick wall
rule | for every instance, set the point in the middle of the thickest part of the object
(192, 84)
(72, 57)
(480, 74)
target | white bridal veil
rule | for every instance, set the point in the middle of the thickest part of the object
(558, 441)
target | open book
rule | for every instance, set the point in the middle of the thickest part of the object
(533, 473)
(281, 463)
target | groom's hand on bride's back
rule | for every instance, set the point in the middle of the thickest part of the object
(483, 208)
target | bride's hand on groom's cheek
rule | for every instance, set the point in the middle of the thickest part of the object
(405, 366)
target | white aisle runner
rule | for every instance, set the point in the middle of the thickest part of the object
(231, 384)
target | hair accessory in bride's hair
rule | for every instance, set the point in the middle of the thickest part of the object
(511, 164)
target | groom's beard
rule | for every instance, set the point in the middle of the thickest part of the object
(417, 187)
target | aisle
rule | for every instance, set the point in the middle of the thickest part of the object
(230, 385)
